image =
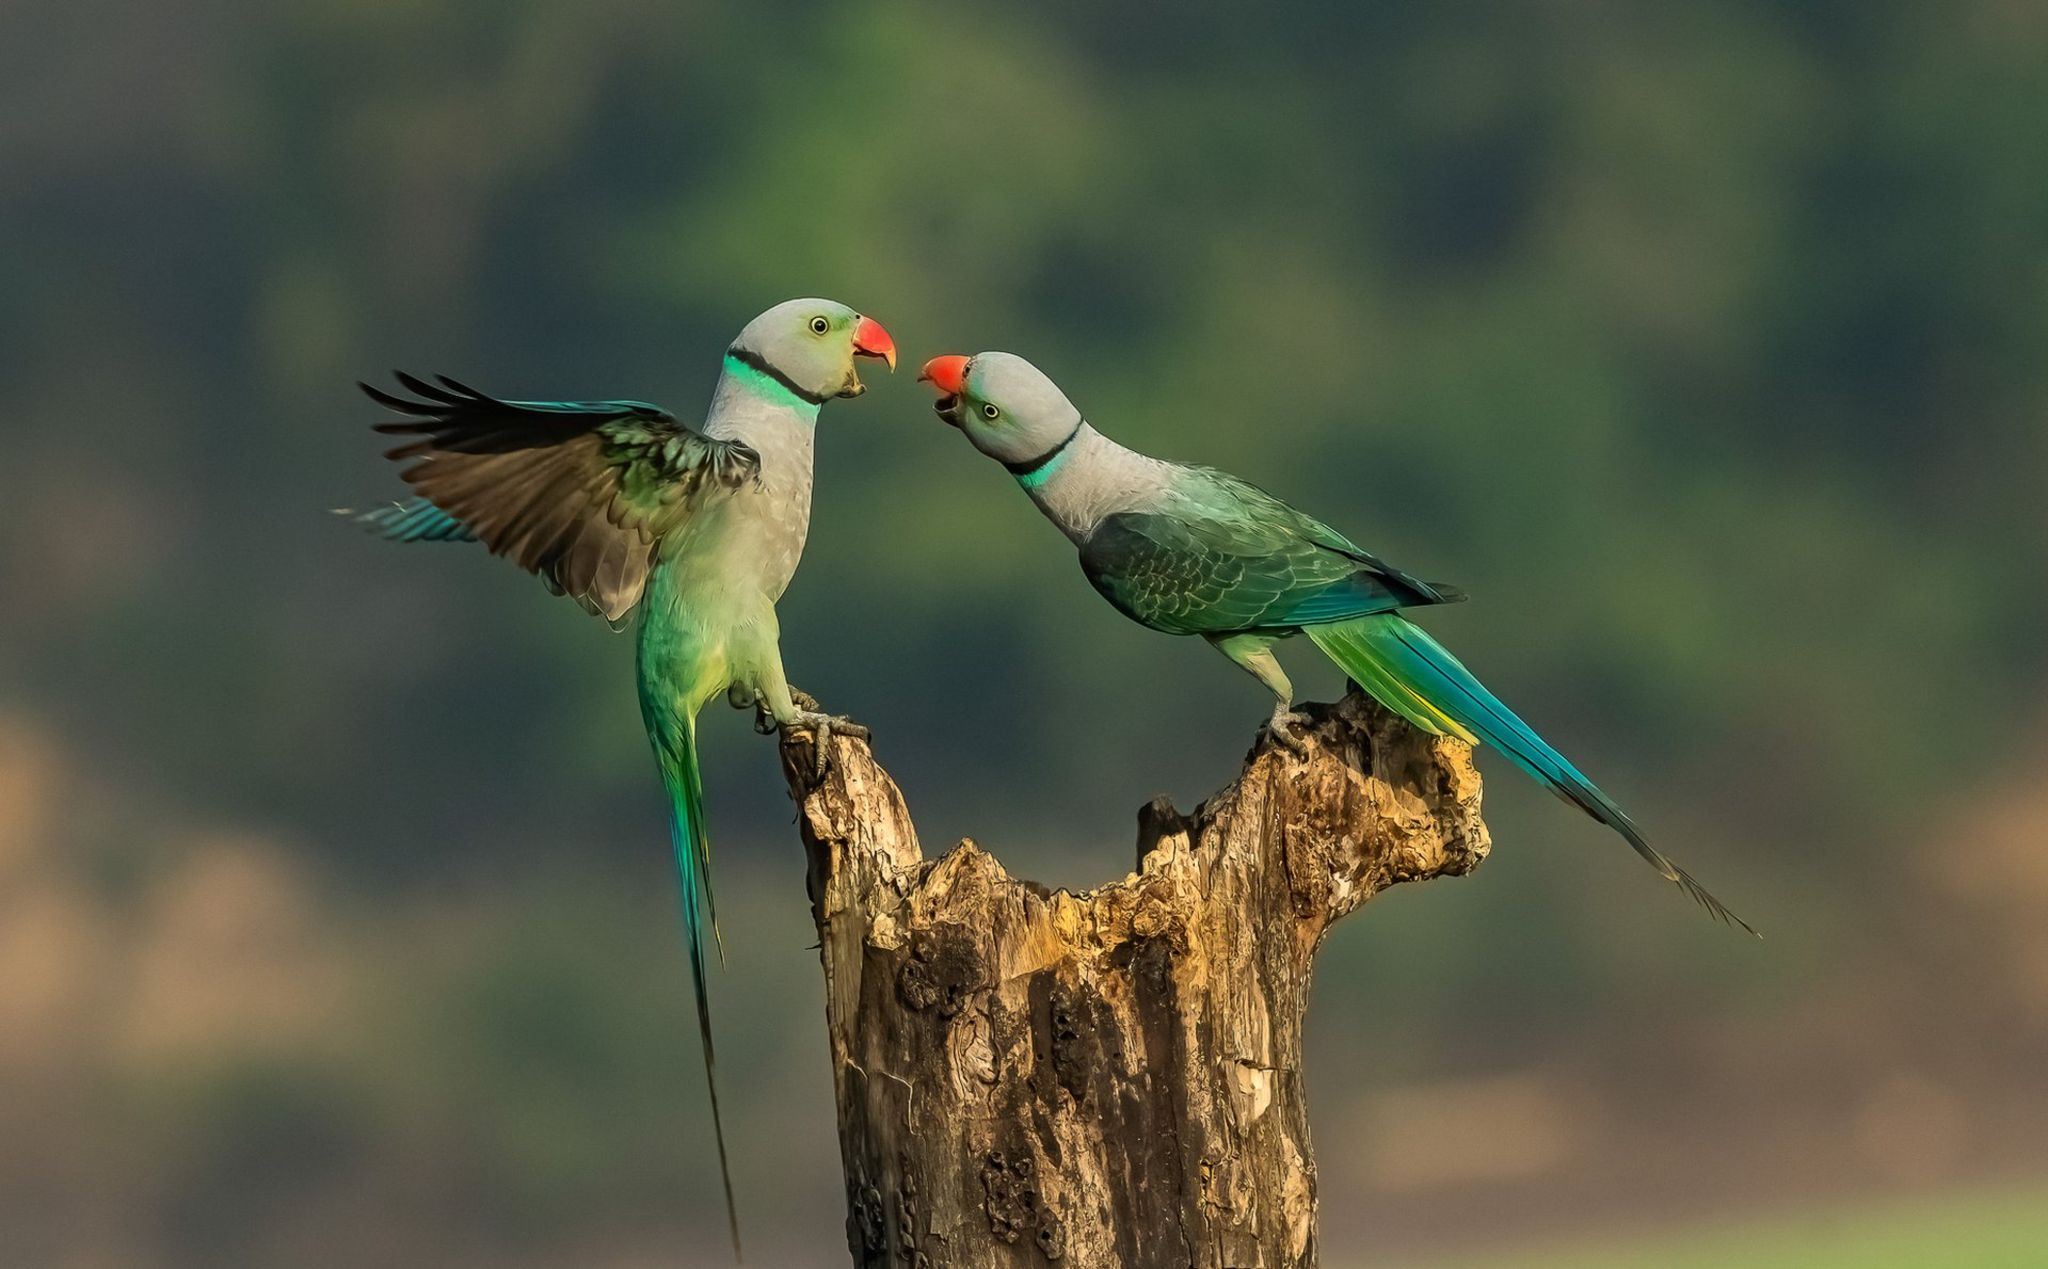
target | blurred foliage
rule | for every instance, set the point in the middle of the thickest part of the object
(1996, 1231)
(1701, 343)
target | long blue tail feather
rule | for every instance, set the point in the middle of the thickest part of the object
(1415, 676)
(675, 749)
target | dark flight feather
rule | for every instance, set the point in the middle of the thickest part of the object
(579, 492)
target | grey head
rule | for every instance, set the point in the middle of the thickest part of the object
(1007, 407)
(809, 346)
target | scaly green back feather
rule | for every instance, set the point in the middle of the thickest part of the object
(1224, 556)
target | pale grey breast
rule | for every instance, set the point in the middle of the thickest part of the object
(782, 503)
(767, 522)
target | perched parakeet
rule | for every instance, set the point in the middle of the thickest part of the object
(1195, 551)
(628, 510)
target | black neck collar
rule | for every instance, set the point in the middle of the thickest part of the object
(754, 361)
(1032, 466)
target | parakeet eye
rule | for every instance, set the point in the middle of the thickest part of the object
(819, 326)
(990, 411)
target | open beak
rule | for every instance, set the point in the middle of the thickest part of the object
(948, 377)
(870, 340)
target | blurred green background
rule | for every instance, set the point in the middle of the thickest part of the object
(1704, 344)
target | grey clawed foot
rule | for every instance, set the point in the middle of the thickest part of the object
(822, 727)
(804, 700)
(740, 696)
(1289, 730)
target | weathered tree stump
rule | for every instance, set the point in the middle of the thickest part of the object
(1111, 1078)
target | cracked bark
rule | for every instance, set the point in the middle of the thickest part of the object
(1028, 1076)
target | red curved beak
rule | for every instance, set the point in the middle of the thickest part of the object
(948, 374)
(870, 340)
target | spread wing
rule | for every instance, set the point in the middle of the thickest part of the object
(1222, 556)
(579, 492)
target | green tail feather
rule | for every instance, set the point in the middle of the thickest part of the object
(675, 749)
(1418, 678)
